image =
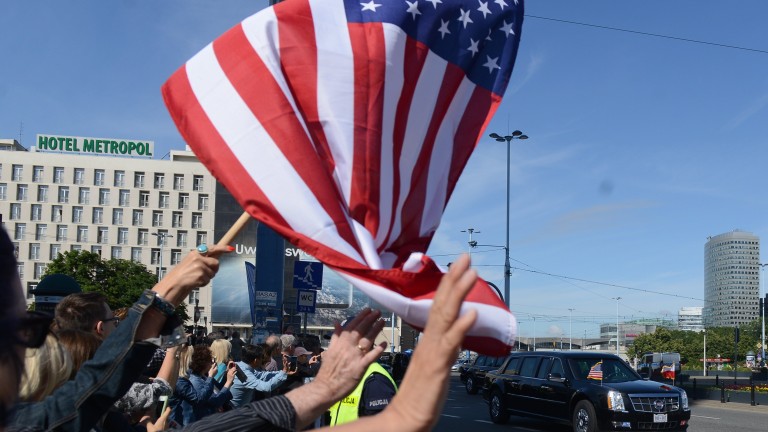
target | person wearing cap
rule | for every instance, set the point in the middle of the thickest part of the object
(372, 395)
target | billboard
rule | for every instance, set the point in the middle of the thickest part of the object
(95, 146)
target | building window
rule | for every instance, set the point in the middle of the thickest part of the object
(15, 211)
(82, 234)
(138, 218)
(98, 177)
(157, 218)
(183, 201)
(119, 178)
(197, 183)
(194, 296)
(84, 196)
(104, 197)
(136, 254)
(202, 237)
(102, 235)
(143, 237)
(37, 174)
(40, 270)
(159, 181)
(181, 239)
(138, 180)
(18, 172)
(75, 247)
(117, 252)
(55, 251)
(176, 219)
(125, 198)
(16, 250)
(77, 214)
(34, 251)
(79, 176)
(202, 202)
(117, 216)
(61, 233)
(96, 249)
(63, 194)
(154, 257)
(22, 192)
(197, 220)
(98, 215)
(143, 199)
(165, 200)
(178, 182)
(31, 286)
(20, 231)
(122, 236)
(37, 212)
(20, 270)
(175, 256)
(57, 213)
(58, 175)
(3, 191)
(42, 193)
(41, 232)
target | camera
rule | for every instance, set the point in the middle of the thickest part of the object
(292, 362)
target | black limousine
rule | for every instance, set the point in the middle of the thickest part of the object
(589, 391)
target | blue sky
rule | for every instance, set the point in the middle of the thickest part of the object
(641, 147)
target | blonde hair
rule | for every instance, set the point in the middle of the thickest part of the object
(185, 356)
(220, 349)
(47, 368)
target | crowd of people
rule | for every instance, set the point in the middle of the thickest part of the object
(90, 368)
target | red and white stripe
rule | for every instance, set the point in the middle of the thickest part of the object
(347, 139)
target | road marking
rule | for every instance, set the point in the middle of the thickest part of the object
(705, 417)
(451, 416)
(484, 421)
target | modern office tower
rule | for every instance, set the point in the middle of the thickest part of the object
(690, 319)
(731, 279)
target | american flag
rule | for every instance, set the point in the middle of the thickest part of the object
(344, 126)
(596, 371)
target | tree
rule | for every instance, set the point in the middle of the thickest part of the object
(121, 281)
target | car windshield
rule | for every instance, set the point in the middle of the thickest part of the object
(601, 370)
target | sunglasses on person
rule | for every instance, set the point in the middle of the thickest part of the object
(115, 319)
(33, 328)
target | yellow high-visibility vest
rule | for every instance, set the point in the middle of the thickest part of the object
(345, 410)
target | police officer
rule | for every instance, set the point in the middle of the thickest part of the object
(374, 392)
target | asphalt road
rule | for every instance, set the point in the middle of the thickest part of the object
(463, 412)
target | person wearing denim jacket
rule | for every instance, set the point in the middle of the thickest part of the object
(79, 404)
(197, 398)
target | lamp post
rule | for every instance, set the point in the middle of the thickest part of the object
(519, 336)
(161, 236)
(762, 318)
(617, 324)
(471, 243)
(570, 329)
(508, 139)
(534, 333)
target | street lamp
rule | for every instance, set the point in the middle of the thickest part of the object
(570, 329)
(617, 324)
(762, 345)
(508, 138)
(471, 243)
(161, 236)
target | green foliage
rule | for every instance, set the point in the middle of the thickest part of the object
(121, 281)
(690, 345)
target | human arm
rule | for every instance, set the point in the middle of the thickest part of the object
(169, 369)
(423, 391)
(262, 381)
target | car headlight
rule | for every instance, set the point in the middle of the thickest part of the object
(616, 401)
(684, 400)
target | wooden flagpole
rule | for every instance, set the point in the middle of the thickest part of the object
(235, 229)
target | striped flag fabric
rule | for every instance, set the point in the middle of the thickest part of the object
(345, 125)
(596, 371)
(668, 371)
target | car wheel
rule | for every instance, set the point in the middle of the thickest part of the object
(471, 388)
(496, 408)
(584, 417)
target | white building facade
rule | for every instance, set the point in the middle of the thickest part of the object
(731, 279)
(146, 210)
(690, 319)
